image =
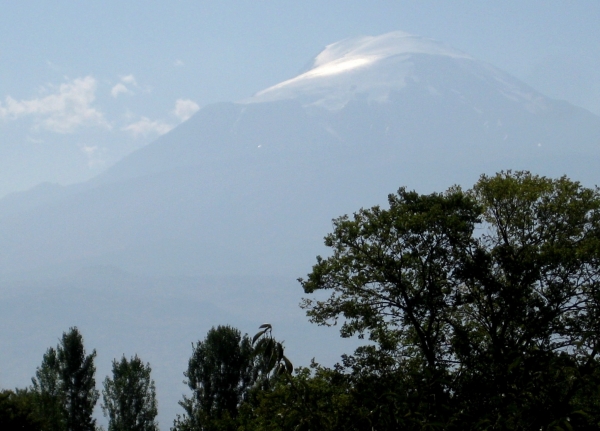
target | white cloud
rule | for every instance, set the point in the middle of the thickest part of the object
(129, 79)
(146, 127)
(120, 89)
(68, 107)
(178, 63)
(185, 108)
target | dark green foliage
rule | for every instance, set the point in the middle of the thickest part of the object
(129, 398)
(48, 390)
(483, 307)
(220, 373)
(270, 359)
(18, 412)
(300, 402)
(65, 386)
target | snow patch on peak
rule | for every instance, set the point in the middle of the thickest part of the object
(372, 65)
(386, 45)
(373, 68)
(340, 65)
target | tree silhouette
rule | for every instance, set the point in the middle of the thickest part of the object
(220, 373)
(65, 385)
(129, 397)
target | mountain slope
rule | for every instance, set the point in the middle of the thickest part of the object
(256, 172)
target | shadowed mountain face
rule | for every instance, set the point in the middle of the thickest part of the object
(249, 188)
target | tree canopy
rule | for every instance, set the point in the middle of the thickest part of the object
(18, 412)
(483, 304)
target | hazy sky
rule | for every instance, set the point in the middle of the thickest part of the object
(84, 83)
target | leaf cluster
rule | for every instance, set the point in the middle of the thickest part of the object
(18, 412)
(269, 354)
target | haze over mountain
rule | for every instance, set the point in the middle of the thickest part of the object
(234, 202)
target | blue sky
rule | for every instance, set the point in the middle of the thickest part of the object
(84, 83)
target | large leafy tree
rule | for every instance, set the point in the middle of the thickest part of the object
(65, 385)
(482, 306)
(129, 397)
(220, 373)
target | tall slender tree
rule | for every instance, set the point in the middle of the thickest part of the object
(220, 373)
(48, 393)
(129, 398)
(66, 386)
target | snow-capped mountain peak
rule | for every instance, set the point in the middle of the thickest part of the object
(373, 65)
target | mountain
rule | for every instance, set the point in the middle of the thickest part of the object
(231, 206)
(250, 187)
